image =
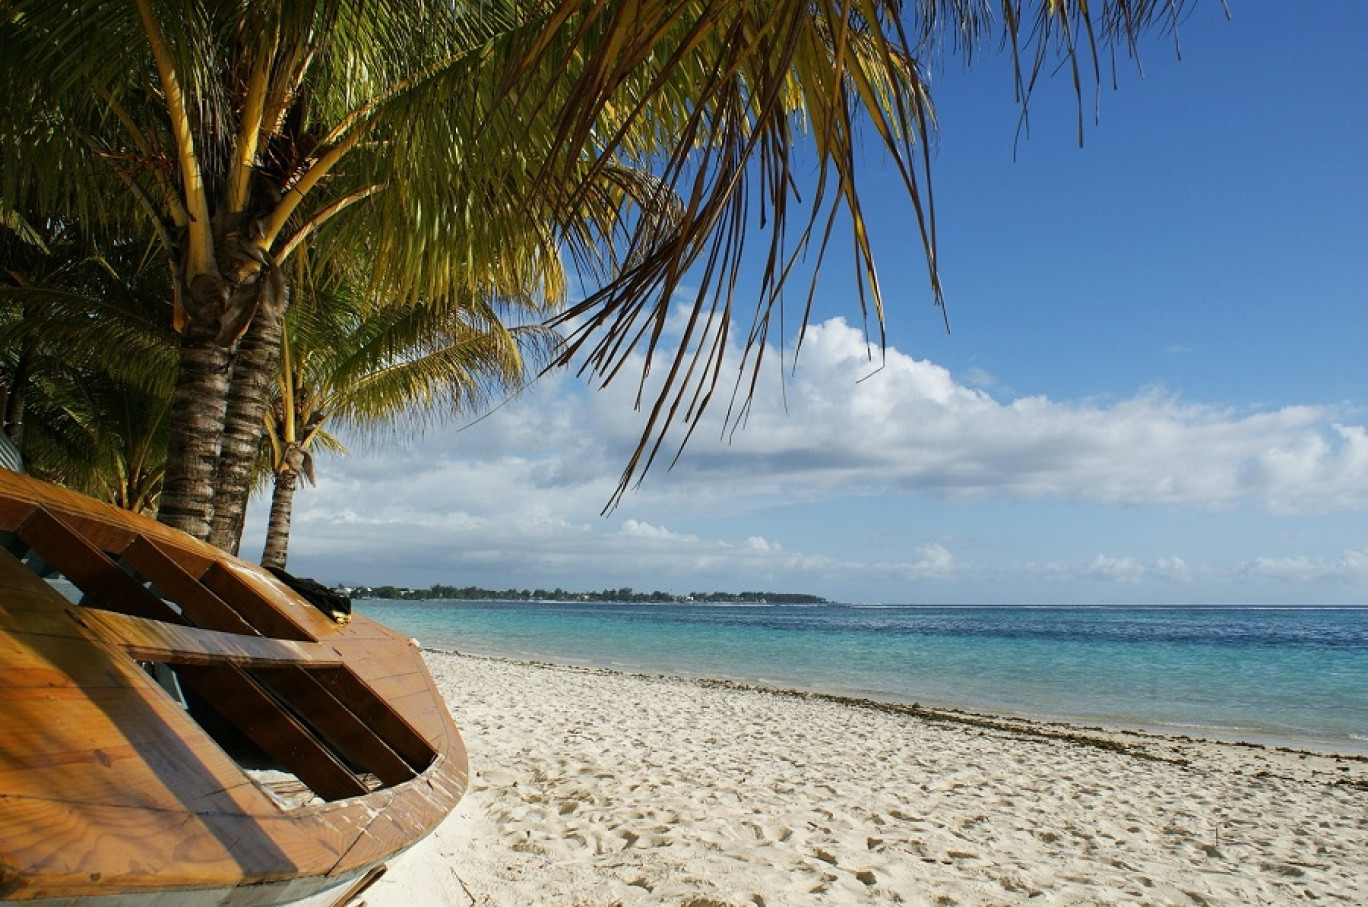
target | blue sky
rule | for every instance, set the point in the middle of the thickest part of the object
(1153, 389)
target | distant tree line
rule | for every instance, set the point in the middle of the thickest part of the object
(625, 594)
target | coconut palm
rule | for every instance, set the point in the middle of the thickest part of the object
(228, 134)
(86, 362)
(368, 368)
(457, 148)
(100, 435)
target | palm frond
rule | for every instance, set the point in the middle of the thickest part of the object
(739, 92)
(441, 153)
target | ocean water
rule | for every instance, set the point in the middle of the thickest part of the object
(1289, 676)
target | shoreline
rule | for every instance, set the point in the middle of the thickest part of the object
(594, 787)
(1274, 739)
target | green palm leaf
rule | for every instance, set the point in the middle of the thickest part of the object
(448, 152)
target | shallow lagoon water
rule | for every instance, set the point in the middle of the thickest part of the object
(1296, 676)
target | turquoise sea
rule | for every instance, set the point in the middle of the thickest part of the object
(1282, 675)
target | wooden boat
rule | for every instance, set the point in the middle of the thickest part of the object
(152, 736)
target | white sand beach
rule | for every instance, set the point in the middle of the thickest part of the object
(596, 788)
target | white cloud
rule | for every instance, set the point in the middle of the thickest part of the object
(1350, 567)
(1174, 568)
(1121, 570)
(518, 495)
(840, 426)
(640, 530)
(932, 561)
(911, 427)
(978, 377)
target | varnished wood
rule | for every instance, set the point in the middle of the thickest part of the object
(108, 786)
(228, 585)
(90, 568)
(392, 725)
(166, 573)
(152, 640)
(250, 707)
(335, 719)
(234, 694)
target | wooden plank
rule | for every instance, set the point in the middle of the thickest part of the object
(414, 810)
(246, 600)
(104, 523)
(378, 836)
(138, 775)
(27, 488)
(354, 890)
(420, 704)
(121, 742)
(41, 720)
(186, 553)
(28, 604)
(111, 538)
(14, 511)
(151, 640)
(451, 777)
(398, 686)
(365, 627)
(65, 726)
(77, 716)
(30, 662)
(399, 733)
(201, 606)
(41, 647)
(430, 720)
(394, 670)
(254, 712)
(380, 659)
(399, 676)
(318, 836)
(335, 719)
(60, 850)
(94, 850)
(267, 586)
(90, 569)
(263, 720)
(24, 679)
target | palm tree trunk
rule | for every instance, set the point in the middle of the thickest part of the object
(196, 431)
(254, 368)
(278, 528)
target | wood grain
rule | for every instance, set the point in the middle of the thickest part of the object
(108, 785)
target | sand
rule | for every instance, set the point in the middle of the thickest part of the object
(591, 787)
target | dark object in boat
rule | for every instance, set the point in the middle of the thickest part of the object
(334, 604)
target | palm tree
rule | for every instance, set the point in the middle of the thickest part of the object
(100, 435)
(86, 362)
(369, 367)
(455, 149)
(228, 135)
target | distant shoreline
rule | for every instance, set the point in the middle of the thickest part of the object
(620, 595)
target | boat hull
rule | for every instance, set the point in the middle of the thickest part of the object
(117, 786)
